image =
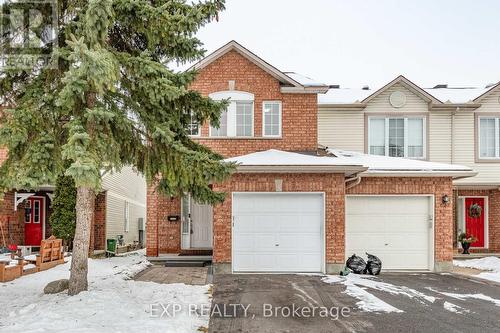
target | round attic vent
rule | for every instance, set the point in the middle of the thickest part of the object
(397, 99)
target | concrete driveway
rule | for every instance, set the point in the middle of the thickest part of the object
(420, 302)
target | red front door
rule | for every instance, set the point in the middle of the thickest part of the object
(474, 225)
(34, 220)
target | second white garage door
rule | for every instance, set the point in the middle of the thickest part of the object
(277, 232)
(397, 229)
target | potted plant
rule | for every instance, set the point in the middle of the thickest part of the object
(466, 241)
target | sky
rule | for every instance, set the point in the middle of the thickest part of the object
(368, 42)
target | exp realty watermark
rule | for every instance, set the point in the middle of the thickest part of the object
(233, 310)
(29, 33)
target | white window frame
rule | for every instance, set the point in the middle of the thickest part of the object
(234, 97)
(126, 212)
(386, 134)
(191, 122)
(497, 138)
(280, 116)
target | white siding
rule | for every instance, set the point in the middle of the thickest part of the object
(439, 136)
(341, 129)
(381, 104)
(124, 186)
(465, 141)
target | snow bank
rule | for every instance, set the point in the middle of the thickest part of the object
(113, 302)
(491, 264)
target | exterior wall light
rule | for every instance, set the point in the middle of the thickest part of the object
(446, 199)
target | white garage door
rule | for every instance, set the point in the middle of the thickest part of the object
(397, 229)
(277, 232)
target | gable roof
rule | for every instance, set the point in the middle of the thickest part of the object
(291, 83)
(408, 84)
(487, 92)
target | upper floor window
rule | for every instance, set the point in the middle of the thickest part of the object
(193, 128)
(397, 136)
(237, 120)
(489, 137)
(271, 119)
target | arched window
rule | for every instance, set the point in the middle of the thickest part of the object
(238, 119)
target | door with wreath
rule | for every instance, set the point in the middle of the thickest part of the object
(475, 220)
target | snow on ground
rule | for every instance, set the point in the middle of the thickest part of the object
(481, 297)
(491, 264)
(454, 308)
(113, 302)
(357, 286)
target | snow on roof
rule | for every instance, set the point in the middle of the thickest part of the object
(376, 163)
(278, 157)
(353, 161)
(344, 95)
(456, 95)
(304, 80)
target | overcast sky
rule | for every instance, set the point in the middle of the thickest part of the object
(358, 42)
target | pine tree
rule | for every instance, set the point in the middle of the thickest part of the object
(108, 100)
(63, 216)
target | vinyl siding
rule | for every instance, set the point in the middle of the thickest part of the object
(439, 136)
(381, 104)
(341, 129)
(121, 187)
(465, 141)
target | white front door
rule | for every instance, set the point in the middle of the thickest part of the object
(201, 225)
(397, 229)
(278, 232)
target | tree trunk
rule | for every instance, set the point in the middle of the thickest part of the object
(85, 201)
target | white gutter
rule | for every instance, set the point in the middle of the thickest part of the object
(355, 181)
(424, 173)
(347, 169)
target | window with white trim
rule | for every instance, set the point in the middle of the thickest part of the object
(126, 214)
(193, 128)
(489, 137)
(238, 119)
(271, 119)
(397, 136)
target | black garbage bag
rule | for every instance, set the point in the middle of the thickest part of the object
(356, 264)
(374, 264)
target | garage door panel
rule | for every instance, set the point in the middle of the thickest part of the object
(277, 232)
(394, 228)
(358, 223)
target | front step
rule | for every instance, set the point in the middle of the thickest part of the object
(186, 263)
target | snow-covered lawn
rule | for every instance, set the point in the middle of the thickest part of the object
(113, 303)
(490, 264)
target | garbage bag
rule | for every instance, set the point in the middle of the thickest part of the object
(356, 264)
(374, 264)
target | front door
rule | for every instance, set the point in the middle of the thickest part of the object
(34, 221)
(201, 225)
(474, 219)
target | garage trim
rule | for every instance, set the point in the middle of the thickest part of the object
(323, 228)
(432, 215)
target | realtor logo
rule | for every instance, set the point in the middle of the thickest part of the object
(28, 34)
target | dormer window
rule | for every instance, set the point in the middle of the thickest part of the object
(238, 119)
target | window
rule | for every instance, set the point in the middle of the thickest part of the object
(36, 211)
(237, 120)
(271, 119)
(126, 214)
(193, 127)
(489, 137)
(397, 136)
(27, 212)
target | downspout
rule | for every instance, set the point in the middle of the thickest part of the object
(356, 179)
(452, 157)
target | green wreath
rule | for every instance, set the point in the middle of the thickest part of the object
(475, 210)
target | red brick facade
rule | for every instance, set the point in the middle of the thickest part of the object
(98, 229)
(493, 206)
(299, 133)
(299, 110)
